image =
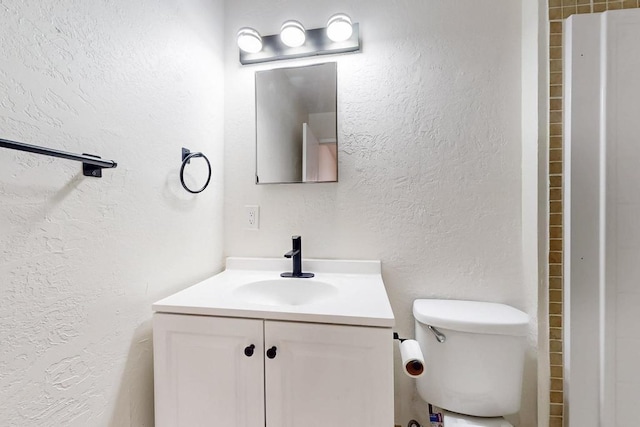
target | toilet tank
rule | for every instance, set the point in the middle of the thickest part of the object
(478, 368)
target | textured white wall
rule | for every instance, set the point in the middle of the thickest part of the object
(429, 150)
(81, 260)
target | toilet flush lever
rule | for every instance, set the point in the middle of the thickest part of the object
(439, 335)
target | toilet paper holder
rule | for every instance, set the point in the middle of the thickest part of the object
(397, 337)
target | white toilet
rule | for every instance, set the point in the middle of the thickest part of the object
(474, 358)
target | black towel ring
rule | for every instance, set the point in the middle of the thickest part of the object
(186, 158)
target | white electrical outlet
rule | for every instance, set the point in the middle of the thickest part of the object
(252, 217)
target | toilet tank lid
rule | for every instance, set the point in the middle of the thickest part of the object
(471, 316)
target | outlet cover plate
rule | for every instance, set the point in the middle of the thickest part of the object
(252, 217)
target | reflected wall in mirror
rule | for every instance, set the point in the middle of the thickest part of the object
(296, 131)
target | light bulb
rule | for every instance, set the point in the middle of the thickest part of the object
(339, 27)
(292, 34)
(249, 40)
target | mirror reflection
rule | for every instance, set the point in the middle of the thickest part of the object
(296, 132)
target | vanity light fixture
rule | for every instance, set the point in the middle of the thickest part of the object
(249, 40)
(292, 34)
(339, 27)
(339, 36)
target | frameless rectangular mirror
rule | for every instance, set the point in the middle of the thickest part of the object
(296, 131)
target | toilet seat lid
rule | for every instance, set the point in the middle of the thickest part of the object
(458, 420)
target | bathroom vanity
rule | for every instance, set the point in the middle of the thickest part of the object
(247, 348)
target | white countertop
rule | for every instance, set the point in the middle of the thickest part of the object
(361, 298)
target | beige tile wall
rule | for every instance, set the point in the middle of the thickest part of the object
(558, 11)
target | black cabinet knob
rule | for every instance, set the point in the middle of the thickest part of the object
(271, 353)
(248, 351)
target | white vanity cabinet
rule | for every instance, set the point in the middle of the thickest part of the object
(201, 374)
(328, 375)
(317, 375)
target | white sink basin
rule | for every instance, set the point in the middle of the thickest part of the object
(286, 291)
(342, 292)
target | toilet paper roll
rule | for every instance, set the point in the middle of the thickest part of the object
(412, 358)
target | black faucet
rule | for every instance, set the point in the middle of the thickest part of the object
(296, 255)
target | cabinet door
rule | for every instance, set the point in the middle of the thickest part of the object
(202, 375)
(328, 375)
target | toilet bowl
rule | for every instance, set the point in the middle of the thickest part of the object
(451, 419)
(474, 359)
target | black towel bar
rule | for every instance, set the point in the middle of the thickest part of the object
(91, 165)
